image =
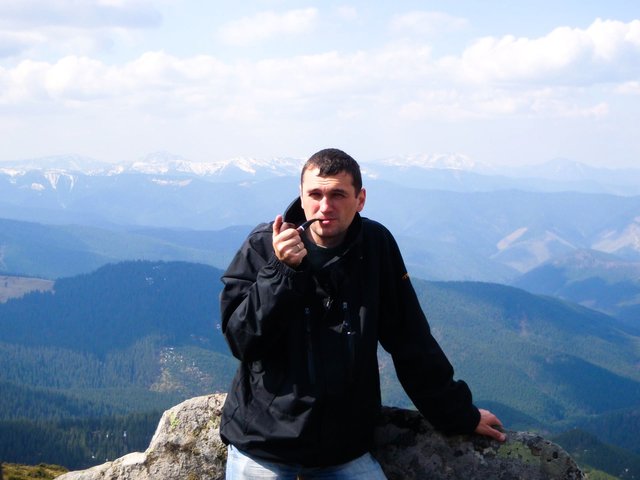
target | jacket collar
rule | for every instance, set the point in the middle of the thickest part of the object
(294, 212)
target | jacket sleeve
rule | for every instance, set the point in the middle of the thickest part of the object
(257, 293)
(421, 366)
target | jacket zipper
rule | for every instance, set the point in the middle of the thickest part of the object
(310, 363)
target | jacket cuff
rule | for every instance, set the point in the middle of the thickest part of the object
(463, 420)
(473, 419)
(291, 274)
(281, 267)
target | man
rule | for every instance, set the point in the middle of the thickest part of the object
(304, 310)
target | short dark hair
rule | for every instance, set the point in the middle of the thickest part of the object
(332, 161)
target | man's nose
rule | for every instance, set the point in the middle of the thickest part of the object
(325, 204)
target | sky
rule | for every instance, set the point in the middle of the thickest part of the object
(500, 82)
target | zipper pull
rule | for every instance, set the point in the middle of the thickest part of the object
(346, 321)
(351, 336)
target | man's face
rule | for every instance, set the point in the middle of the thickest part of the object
(334, 200)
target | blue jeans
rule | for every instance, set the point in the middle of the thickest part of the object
(241, 466)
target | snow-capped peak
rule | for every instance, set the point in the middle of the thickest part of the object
(162, 163)
(446, 161)
(56, 163)
(159, 163)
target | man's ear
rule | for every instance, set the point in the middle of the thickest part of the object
(362, 197)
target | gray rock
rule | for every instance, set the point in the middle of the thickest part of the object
(409, 448)
(187, 446)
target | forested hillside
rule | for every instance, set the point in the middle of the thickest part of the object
(138, 337)
(116, 306)
(551, 359)
(77, 443)
(130, 339)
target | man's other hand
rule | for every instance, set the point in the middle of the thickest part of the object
(490, 426)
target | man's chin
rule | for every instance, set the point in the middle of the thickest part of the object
(328, 237)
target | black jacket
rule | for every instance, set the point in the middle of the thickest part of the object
(307, 390)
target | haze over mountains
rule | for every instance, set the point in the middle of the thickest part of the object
(454, 219)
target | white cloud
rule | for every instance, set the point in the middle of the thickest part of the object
(12, 43)
(629, 88)
(426, 23)
(454, 105)
(519, 78)
(266, 25)
(612, 40)
(29, 28)
(347, 12)
(605, 51)
(79, 13)
(160, 84)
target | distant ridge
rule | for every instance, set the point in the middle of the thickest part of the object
(591, 278)
(445, 231)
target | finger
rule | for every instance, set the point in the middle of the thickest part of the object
(294, 247)
(493, 420)
(292, 254)
(489, 431)
(277, 224)
(300, 249)
(287, 225)
(287, 236)
(497, 434)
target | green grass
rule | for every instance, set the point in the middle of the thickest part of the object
(14, 471)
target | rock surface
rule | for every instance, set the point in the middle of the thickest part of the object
(409, 448)
(187, 446)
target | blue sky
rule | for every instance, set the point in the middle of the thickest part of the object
(501, 82)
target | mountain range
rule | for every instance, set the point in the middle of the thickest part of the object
(122, 315)
(594, 279)
(443, 171)
(453, 221)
